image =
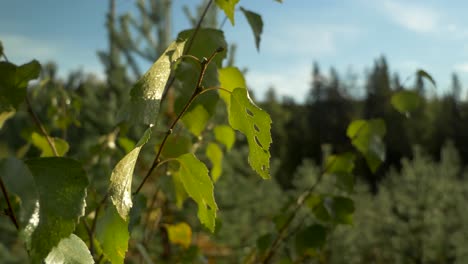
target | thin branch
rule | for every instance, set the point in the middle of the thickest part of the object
(197, 28)
(10, 212)
(39, 124)
(198, 89)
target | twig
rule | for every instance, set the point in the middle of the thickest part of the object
(198, 89)
(11, 213)
(39, 124)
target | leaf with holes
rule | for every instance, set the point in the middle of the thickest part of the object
(225, 135)
(120, 187)
(196, 181)
(61, 184)
(255, 124)
(367, 137)
(230, 78)
(406, 101)
(112, 234)
(215, 155)
(41, 143)
(70, 250)
(256, 23)
(180, 234)
(228, 6)
(147, 92)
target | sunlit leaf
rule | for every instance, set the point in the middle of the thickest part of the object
(41, 143)
(196, 119)
(424, 74)
(230, 78)
(19, 180)
(61, 184)
(406, 101)
(180, 234)
(112, 234)
(194, 176)
(310, 238)
(228, 6)
(70, 250)
(367, 137)
(255, 124)
(179, 190)
(120, 187)
(147, 92)
(5, 115)
(256, 23)
(225, 135)
(126, 143)
(215, 155)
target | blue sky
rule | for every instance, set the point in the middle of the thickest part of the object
(347, 34)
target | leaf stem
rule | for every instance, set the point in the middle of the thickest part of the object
(198, 89)
(11, 213)
(39, 124)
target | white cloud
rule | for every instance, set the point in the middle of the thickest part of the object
(461, 67)
(421, 19)
(316, 40)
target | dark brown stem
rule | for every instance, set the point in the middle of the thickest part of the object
(198, 89)
(197, 28)
(39, 124)
(10, 211)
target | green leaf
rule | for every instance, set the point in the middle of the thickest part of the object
(335, 209)
(176, 145)
(147, 92)
(41, 143)
(424, 74)
(203, 107)
(71, 250)
(341, 166)
(264, 242)
(137, 211)
(112, 234)
(367, 137)
(19, 180)
(256, 23)
(225, 135)
(120, 187)
(215, 155)
(180, 193)
(126, 143)
(255, 124)
(194, 176)
(228, 6)
(61, 184)
(406, 101)
(13, 83)
(230, 78)
(180, 234)
(310, 238)
(206, 42)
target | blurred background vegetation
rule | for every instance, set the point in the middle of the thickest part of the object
(411, 211)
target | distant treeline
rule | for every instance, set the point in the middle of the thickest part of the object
(310, 129)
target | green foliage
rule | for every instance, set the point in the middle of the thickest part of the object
(61, 185)
(46, 150)
(112, 234)
(228, 6)
(225, 135)
(367, 137)
(197, 183)
(424, 74)
(310, 238)
(406, 101)
(215, 155)
(256, 23)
